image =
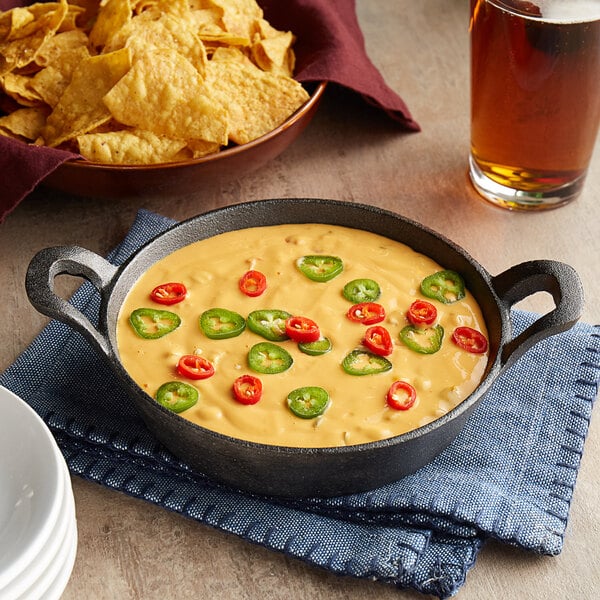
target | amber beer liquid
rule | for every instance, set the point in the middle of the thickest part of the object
(535, 99)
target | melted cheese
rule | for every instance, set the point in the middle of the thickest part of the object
(358, 412)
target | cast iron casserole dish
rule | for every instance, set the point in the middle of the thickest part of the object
(287, 471)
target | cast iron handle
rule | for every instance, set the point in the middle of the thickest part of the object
(527, 278)
(48, 264)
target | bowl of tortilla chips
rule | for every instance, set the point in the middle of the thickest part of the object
(150, 95)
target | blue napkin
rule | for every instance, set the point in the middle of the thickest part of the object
(510, 474)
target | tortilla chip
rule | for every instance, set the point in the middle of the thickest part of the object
(87, 11)
(165, 94)
(114, 15)
(50, 83)
(139, 6)
(177, 8)
(19, 88)
(14, 20)
(230, 54)
(143, 34)
(274, 54)
(24, 30)
(200, 148)
(256, 101)
(239, 16)
(72, 19)
(81, 107)
(207, 19)
(62, 54)
(200, 4)
(131, 147)
(53, 50)
(24, 123)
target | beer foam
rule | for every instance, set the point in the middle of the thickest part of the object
(557, 11)
(574, 11)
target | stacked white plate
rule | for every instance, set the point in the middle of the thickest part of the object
(38, 530)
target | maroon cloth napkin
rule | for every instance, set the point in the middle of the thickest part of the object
(330, 47)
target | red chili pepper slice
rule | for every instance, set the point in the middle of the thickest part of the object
(253, 283)
(470, 340)
(421, 312)
(169, 293)
(247, 389)
(302, 329)
(401, 395)
(193, 366)
(367, 313)
(378, 340)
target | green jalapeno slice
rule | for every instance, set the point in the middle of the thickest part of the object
(446, 286)
(151, 324)
(269, 359)
(221, 323)
(361, 290)
(363, 362)
(176, 396)
(425, 340)
(319, 267)
(308, 402)
(269, 323)
(322, 346)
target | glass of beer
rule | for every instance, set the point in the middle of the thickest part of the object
(535, 99)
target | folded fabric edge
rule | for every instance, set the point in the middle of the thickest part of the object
(16, 158)
(544, 531)
(405, 558)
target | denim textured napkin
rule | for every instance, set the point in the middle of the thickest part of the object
(510, 474)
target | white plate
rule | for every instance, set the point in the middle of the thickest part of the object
(45, 566)
(33, 490)
(57, 586)
(50, 583)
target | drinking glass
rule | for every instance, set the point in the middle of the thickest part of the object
(535, 99)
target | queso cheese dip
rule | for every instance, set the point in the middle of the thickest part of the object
(357, 411)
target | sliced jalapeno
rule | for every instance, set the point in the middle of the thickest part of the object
(269, 359)
(308, 402)
(152, 324)
(445, 286)
(269, 323)
(363, 362)
(177, 396)
(319, 267)
(221, 323)
(322, 346)
(361, 290)
(425, 340)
